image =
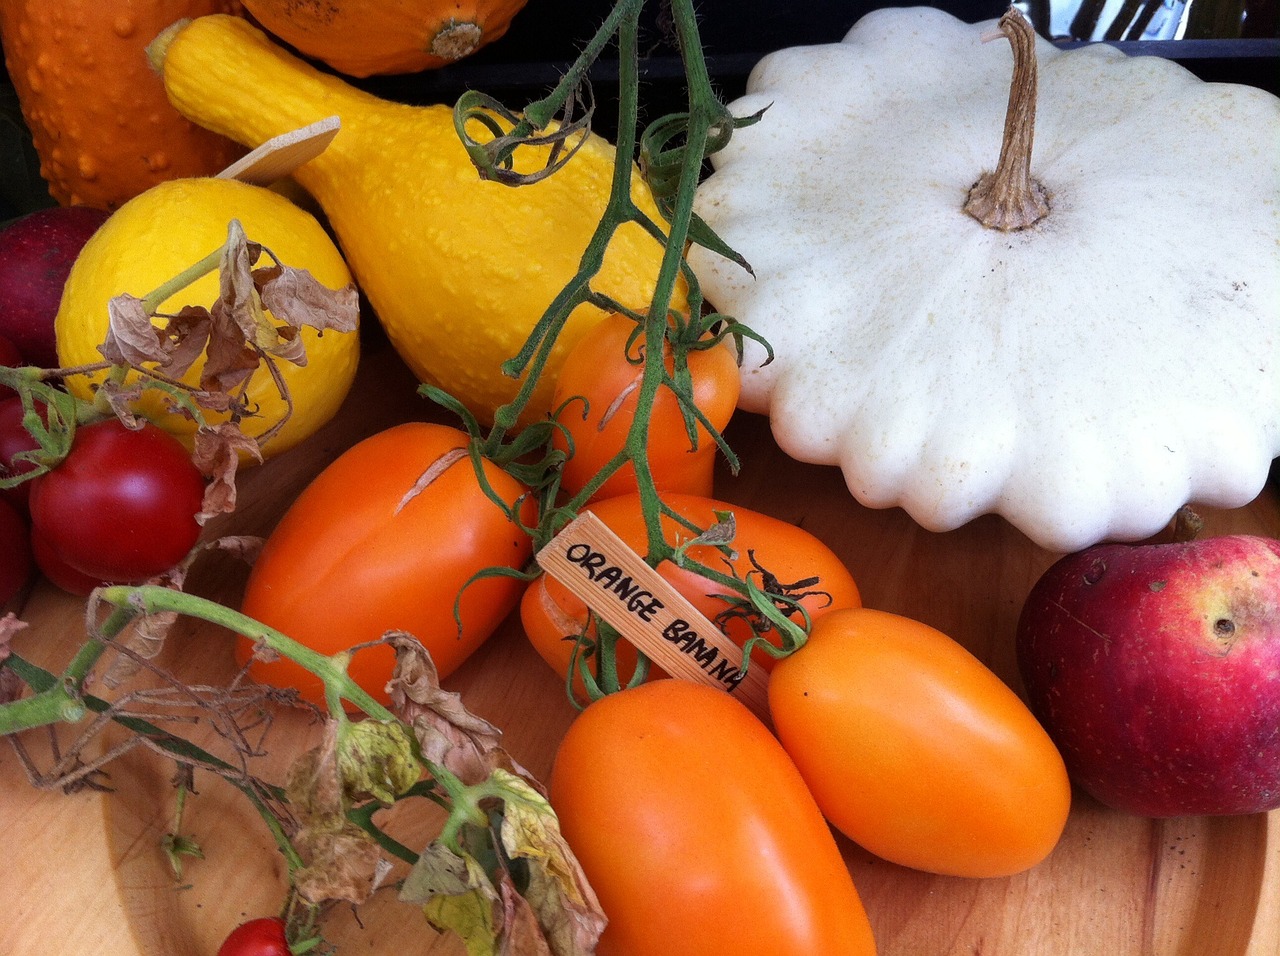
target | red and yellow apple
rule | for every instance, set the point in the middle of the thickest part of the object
(1156, 670)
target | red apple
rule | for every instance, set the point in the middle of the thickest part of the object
(1156, 670)
(36, 253)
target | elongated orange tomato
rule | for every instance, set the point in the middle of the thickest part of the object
(553, 616)
(598, 370)
(917, 751)
(385, 538)
(697, 832)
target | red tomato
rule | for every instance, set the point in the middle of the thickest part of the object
(58, 572)
(258, 937)
(552, 616)
(597, 369)
(14, 438)
(915, 750)
(122, 505)
(15, 552)
(697, 832)
(365, 550)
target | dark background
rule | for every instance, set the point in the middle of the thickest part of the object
(546, 36)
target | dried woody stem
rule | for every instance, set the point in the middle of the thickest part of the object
(1009, 199)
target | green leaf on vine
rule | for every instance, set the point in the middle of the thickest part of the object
(456, 896)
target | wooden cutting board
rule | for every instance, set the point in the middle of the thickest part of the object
(84, 873)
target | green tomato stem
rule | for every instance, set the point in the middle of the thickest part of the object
(706, 127)
(157, 297)
(332, 670)
(544, 110)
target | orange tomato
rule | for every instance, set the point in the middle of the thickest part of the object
(697, 833)
(598, 370)
(366, 549)
(553, 616)
(916, 750)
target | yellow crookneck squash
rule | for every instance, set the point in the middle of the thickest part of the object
(1082, 342)
(376, 37)
(99, 119)
(458, 269)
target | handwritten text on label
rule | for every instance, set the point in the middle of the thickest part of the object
(615, 582)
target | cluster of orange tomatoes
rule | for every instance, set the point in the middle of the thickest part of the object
(702, 829)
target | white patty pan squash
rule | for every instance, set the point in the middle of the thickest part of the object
(1085, 374)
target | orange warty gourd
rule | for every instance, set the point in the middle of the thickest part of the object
(99, 118)
(377, 37)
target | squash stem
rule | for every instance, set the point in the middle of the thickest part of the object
(1009, 199)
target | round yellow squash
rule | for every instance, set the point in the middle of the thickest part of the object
(159, 233)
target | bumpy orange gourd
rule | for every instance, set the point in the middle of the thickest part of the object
(99, 118)
(375, 37)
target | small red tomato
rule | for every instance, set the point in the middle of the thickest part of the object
(122, 505)
(14, 438)
(15, 552)
(58, 572)
(600, 370)
(263, 936)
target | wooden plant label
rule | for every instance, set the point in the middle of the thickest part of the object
(281, 155)
(611, 579)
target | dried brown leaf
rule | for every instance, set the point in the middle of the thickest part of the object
(239, 329)
(131, 338)
(229, 362)
(339, 865)
(145, 638)
(216, 453)
(238, 299)
(341, 861)
(521, 935)
(217, 401)
(297, 298)
(121, 398)
(188, 336)
(289, 346)
(448, 734)
(10, 625)
(246, 547)
(313, 785)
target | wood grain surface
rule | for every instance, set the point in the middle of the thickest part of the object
(85, 872)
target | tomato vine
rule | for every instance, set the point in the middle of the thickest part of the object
(671, 152)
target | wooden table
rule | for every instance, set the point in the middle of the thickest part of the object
(84, 873)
